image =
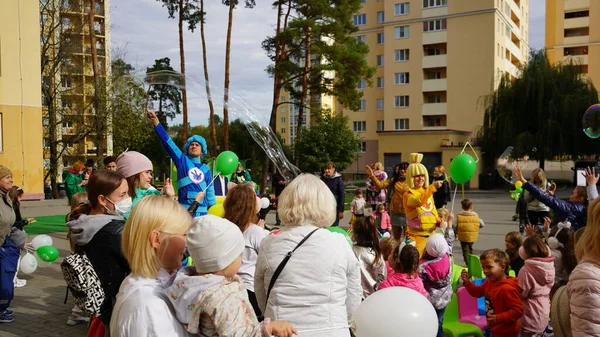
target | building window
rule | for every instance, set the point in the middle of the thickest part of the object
(401, 55)
(434, 3)
(282, 131)
(380, 125)
(44, 19)
(433, 75)
(401, 32)
(401, 123)
(363, 147)
(282, 109)
(66, 82)
(380, 104)
(359, 19)
(359, 126)
(361, 38)
(66, 4)
(282, 99)
(434, 99)
(282, 119)
(434, 25)
(401, 78)
(363, 105)
(380, 60)
(363, 1)
(379, 38)
(362, 84)
(400, 101)
(380, 17)
(46, 143)
(283, 141)
(402, 9)
(380, 82)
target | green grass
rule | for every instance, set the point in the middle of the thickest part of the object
(47, 224)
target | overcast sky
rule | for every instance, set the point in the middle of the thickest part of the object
(142, 30)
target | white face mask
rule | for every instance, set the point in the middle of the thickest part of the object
(122, 207)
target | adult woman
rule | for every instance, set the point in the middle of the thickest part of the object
(400, 186)
(9, 252)
(421, 214)
(75, 180)
(536, 210)
(241, 208)
(154, 244)
(376, 195)
(319, 288)
(442, 195)
(17, 234)
(98, 230)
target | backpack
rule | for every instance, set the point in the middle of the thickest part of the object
(83, 282)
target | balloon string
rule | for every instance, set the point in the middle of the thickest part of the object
(472, 149)
(213, 180)
(463, 190)
(454, 197)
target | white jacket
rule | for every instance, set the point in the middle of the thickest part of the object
(319, 288)
(584, 298)
(143, 309)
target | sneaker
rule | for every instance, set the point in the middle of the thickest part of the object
(6, 318)
(20, 283)
(74, 320)
(7, 312)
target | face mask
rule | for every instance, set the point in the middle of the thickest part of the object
(122, 207)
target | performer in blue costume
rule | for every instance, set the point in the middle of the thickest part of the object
(193, 177)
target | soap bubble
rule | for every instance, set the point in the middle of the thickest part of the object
(534, 149)
(257, 124)
(591, 121)
(507, 162)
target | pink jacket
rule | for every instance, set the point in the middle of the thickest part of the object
(536, 278)
(584, 298)
(385, 219)
(403, 280)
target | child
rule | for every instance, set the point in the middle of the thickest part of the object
(382, 219)
(357, 206)
(535, 279)
(368, 252)
(562, 249)
(209, 298)
(445, 228)
(405, 262)
(502, 293)
(387, 245)
(467, 228)
(435, 269)
(513, 241)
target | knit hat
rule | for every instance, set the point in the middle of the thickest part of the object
(131, 163)
(198, 139)
(214, 243)
(436, 245)
(4, 171)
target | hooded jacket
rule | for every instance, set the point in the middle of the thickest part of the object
(336, 185)
(584, 298)
(212, 305)
(437, 280)
(99, 236)
(7, 216)
(536, 279)
(570, 211)
(504, 298)
(371, 274)
(403, 280)
(72, 179)
(442, 195)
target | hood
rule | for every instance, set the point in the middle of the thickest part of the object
(198, 139)
(66, 173)
(84, 228)
(335, 175)
(509, 281)
(186, 290)
(542, 269)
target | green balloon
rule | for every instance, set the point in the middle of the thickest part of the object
(47, 253)
(519, 190)
(462, 168)
(335, 229)
(227, 162)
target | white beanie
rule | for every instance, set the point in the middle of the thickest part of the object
(214, 243)
(436, 245)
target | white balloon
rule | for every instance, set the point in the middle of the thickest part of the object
(395, 311)
(28, 264)
(265, 203)
(386, 235)
(41, 263)
(40, 241)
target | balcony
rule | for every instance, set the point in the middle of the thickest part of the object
(435, 11)
(574, 40)
(576, 4)
(435, 37)
(435, 61)
(434, 109)
(578, 59)
(434, 122)
(512, 69)
(435, 85)
(577, 22)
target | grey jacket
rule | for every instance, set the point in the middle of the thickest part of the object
(7, 216)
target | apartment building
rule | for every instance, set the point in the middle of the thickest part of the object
(436, 61)
(20, 91)
(573, 33)
(73, 78)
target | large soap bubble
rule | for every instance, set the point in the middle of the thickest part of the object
(257, 124)
(507, 163)
(591, 121)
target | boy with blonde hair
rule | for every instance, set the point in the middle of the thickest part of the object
(468, 224)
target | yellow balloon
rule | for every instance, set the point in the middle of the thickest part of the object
(217, 210)
(518, 184)
(220, 200)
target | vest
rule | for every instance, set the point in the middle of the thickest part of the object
(467, 226)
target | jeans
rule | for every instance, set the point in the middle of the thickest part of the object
(9, 258)
(467, 249)
(440, 315)
(277, 220)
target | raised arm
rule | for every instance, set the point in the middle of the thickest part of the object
(168, 144)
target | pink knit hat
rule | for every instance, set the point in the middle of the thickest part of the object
(131, 163)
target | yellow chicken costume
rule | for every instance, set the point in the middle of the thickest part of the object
(421, 215)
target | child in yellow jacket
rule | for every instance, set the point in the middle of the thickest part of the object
(468, 224)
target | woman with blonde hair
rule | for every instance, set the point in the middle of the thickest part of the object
(421, 214)
(537, 210)
(375, 194)
(319, 288)
(154, 244)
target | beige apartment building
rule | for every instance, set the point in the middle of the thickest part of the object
(573, 33)
(436, 62)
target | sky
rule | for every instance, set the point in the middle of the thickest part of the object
(142, 32)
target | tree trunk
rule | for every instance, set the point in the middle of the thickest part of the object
(184, 131)
(98, 117)
(213, 127)
(226, 86)
(303, 98)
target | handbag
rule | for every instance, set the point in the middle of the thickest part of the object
(283, 263)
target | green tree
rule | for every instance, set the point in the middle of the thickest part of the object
(167, 97)
(329, 139)
(541, 109)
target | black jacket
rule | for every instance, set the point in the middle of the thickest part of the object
(442, 196)
(336, 185)
(277, 187)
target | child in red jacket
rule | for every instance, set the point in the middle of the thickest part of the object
(502, 293)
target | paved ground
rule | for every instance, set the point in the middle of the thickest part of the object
(39, 308)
